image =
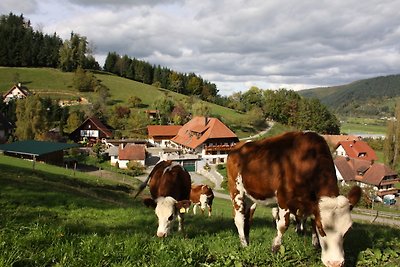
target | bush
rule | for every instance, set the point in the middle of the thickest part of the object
(136, 168)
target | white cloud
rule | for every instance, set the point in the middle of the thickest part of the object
(236, 44)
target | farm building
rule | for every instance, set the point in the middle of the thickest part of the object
(366, 172)
(334, 139)
(355, 149)
(124, 154)
(161, 135)
(18, 91)
(207, 137)
(41, 151)
(91, 129)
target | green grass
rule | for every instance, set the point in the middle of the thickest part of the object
(57, 84)
(364, 125)
(51, 219)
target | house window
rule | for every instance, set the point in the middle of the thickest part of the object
(90, 133)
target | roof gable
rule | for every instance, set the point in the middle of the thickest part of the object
(200, 129)
(97, 123)
(132, 152)
(17, 89)
(358, 149)
(353, 169)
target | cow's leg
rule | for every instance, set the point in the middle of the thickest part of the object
(209, 210)
(300, 222)
(314, 236)
(180, 221)
(242, 221)
(194, 209)
(282, 223)
(252, 210)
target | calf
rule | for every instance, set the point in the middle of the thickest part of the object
(203, 196)
(169, 185)
(297, 170)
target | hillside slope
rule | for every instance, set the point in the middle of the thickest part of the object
(369, 97)
(57, 84)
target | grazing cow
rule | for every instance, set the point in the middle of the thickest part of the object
(169, 186)
(297, 170)
(203, 196)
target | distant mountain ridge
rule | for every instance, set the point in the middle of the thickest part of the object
(368, 97)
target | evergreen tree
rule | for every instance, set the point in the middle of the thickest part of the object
(110, 62)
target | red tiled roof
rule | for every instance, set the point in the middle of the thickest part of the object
(163, 130)
(376, 173)
(345, 169)
(362, 170)
(200, 129)
(132, 152)
(358, 149)
(333, 139)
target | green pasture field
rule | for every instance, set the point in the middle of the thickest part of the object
(59, 85)
(50, 218)
(363, 125)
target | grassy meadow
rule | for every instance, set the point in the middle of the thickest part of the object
(59, 85)
(49, 217)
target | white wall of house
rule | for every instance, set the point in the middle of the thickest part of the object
(339, 177)
(340, 151)
(123, 164)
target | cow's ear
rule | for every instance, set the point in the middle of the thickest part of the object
(354, 196)
(149, 202)
(182, 205)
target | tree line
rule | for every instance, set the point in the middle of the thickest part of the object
(20, 45)
(162, 77)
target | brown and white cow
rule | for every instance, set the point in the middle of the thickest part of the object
(297, 170)
(169, 185)
(203, 196)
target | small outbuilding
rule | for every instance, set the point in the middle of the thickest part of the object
(43, 151)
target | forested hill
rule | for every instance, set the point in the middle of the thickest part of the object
(369, 97)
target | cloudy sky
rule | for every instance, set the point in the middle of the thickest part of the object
(235, 44)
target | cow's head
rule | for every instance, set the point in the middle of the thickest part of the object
(203, 202)
(166, 208)
(335, 222)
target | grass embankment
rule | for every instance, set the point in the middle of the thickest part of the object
(59, 85)
(49, 218)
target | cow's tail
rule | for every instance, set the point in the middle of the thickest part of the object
(161, 164)
(142, 186)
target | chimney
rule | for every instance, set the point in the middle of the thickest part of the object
(205, 120)
(19, 85)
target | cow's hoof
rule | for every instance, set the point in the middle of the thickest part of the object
(275, 249)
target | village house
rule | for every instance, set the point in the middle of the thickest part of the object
(207, 138)
(355, 149)
(91, 130)
(18, 91)
(161, 135)
(334, 139)
(125, 153)
(367, 173)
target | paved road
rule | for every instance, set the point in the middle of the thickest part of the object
(358, 214)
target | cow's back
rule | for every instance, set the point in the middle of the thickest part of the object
(291, 165)
(172, 180)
